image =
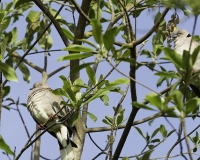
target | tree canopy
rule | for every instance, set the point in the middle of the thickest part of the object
(114, 63)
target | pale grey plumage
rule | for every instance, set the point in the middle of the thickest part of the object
(42, 104)
(182, 40)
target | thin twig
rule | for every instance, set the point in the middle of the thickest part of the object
(130, 77)
(114, 127)
(80, 11)
(178, 141)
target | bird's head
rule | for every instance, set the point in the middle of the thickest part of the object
(182, 33)
(39, 85)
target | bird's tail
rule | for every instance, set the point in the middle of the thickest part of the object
(67, 153)
(66, 149)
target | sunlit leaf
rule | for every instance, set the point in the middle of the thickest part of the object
(8, 72)
(75, 56)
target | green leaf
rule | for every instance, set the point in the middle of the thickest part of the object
(88, 42)
(155, 132)
(68, 34)
(66, 83)
(14, 35)
(120, 119)
(163, 131)
(33, 16)
(25, 71)
(92, 116)
(105, 99)
(8, 6)
(170, 132)
(109, 119)
(109, 37)
(78, 84)
(74, 118)
(186, 58)
(79, 67)
(59, 92)
(11, 51)
(46, 42)
(141, 105)
(167, 74)
(67, 88)
(75, 56)
(97, 31)
(155, 140)
(5, 91)
(99, 93)
(129, 60)
(139, 131)
(174, 57)
(91, 74)
(194, 54)
(155, 100)
(106, 122)
(3, 45)
(125, 158)
(119, 81)
(78, 48)
(191, 105)
(8, 72)
(5, 147)
(178, 99)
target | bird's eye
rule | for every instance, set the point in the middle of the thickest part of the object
(179, 33)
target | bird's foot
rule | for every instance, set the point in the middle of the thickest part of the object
(41, 127)
(51, 117)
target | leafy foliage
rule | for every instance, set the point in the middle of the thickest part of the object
(106, 33)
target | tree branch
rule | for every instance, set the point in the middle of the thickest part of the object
(53, 20)
(80, 30)
(16, 55)
(152, 29)
(58, 70)
(80, 11)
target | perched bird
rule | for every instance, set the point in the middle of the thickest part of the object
(182, 40)
(43, 105)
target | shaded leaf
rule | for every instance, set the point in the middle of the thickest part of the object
(79, 67)
(5, 91)
(163, 131)
(139, 131)
(99, 93)
(25, 71)
(141, 105)
(166, 74)
(5, 147)
(109, 38)
(91, 74)
(97, 31)
(74, 118)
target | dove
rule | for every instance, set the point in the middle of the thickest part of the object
(182, 40)
(42, 105)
